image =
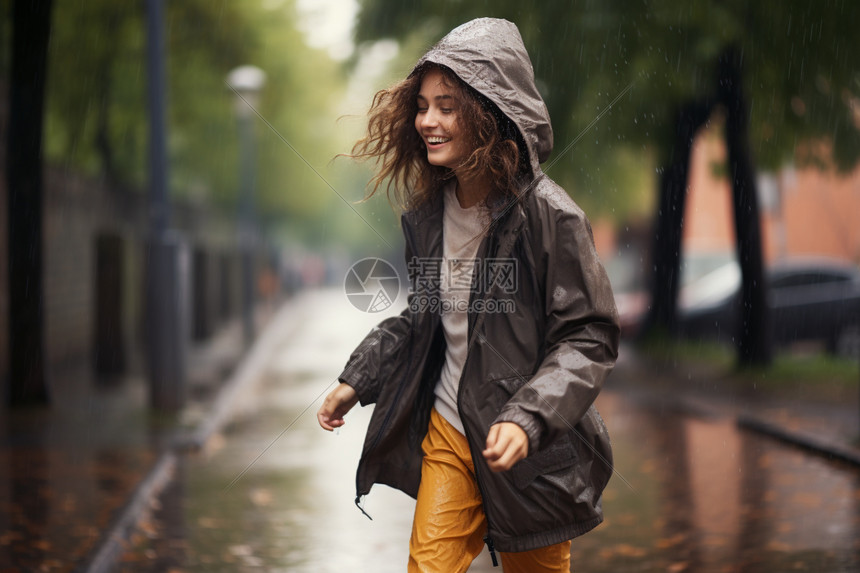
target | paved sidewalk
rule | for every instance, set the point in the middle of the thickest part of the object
(78, 479)
(827, 424)
(77, 473)
(274, 492)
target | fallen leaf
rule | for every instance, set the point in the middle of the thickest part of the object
(241, 550)
(667, 542)
(261, 497)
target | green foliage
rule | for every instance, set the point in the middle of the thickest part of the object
(800, 78)
(96, 116)
(791, 371)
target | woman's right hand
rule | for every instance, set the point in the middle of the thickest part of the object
(335, 406)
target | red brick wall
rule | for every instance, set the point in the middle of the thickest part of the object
(820, 213)
(708, 213)
(817, 213)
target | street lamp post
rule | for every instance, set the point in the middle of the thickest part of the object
(167, 261)
(247, 82)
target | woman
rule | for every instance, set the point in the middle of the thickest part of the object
(484, 385)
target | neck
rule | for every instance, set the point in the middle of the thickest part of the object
(471, 191)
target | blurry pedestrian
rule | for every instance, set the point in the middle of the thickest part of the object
(484, 386)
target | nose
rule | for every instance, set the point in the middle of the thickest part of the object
(428, 119)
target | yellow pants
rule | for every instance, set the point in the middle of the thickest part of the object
(449, 525)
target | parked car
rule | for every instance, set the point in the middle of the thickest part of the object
(627, 274)
(811, 299)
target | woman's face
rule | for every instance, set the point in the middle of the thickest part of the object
(437, 122)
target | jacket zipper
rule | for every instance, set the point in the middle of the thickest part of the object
(487, 538)
(489, 541)
(385, 422)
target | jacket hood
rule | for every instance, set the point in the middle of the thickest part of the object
(489, 55)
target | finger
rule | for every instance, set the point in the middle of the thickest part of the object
(492, 437)
(514, 449)
(498, 448)
(323, 422)
(324, 419)
(329, 417)
(510, 457)
(507, 460)
(331, 423)
(499, 465)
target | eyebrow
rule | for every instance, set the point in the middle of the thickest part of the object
(438, 97)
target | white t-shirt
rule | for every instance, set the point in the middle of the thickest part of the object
(462, 232)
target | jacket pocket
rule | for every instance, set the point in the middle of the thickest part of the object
(557, 456)
(511, 384)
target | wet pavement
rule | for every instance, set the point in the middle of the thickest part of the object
(691, 493)
(64, 472)
(68, 470)
(706, 496)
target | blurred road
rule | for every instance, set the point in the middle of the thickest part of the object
(275, 493)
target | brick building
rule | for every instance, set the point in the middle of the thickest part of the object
(804, 211)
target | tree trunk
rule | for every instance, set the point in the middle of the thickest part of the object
(753, 335)
(31, 22)
(669, 224)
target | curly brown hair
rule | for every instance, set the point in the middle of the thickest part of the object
(499, 153)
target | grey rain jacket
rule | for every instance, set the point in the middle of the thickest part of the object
(540, 366)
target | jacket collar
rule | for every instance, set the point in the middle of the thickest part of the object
(507, 219)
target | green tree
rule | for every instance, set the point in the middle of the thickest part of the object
(78, 68)
(780, 73)
(96, 107)
(31, 29)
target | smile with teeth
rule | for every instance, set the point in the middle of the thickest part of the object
(435, 140)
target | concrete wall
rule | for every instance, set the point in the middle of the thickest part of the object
(78, 210)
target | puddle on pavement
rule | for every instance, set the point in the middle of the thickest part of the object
(54, 504)
(702, 496)
(708, 497)
(65, 471)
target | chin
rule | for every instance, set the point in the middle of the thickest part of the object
(440, 162)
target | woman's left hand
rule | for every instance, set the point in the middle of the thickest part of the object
(507, 443)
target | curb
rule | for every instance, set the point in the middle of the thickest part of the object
(112, 544)
(803, 440)
(104, 556)
(245, 377)
(798, 438)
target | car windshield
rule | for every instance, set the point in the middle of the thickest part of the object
(708, 278)
(696, 265)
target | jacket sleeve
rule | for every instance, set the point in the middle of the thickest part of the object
(368, 364)
(580, 338)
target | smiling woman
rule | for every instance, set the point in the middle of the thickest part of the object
(436, 122)
(483, 410)
(489, 150)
